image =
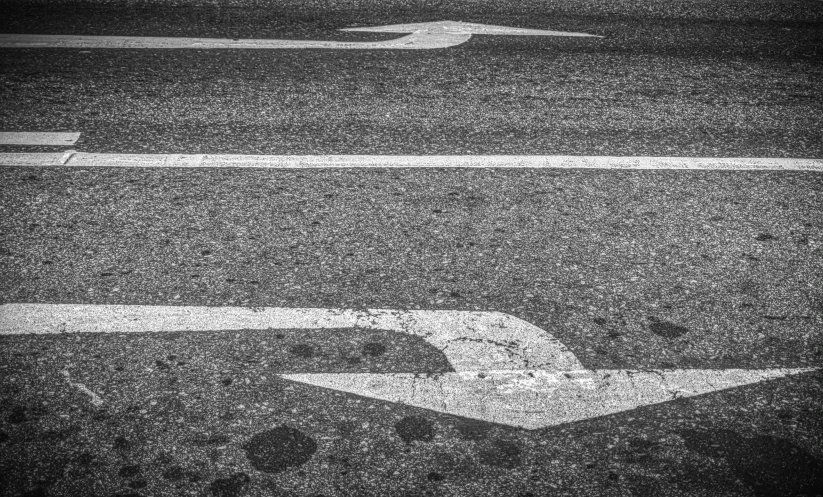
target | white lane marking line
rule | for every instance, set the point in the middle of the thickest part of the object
(95, 399)
(424, 35)
(85, 159)
(469, 340)
(506, 370)
(37, 138)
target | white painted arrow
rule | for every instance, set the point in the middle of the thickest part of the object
(423, 35)
(505, 370)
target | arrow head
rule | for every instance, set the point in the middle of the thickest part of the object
(463, 28)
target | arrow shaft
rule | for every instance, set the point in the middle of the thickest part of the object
(413, 41)
(469, 340)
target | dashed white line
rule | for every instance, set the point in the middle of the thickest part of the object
(37, 138)
(85, 159)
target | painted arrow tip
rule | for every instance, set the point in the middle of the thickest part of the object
(534, 399)
(463, 28)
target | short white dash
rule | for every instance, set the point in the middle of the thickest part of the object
(38, 138)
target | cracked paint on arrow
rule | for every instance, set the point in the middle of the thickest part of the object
(506, 370)
(422, 36)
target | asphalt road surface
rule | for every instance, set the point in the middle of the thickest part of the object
(635, 270)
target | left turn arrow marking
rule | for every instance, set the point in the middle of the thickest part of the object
(505, 370)
(421, 36)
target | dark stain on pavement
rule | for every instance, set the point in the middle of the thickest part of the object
(84, 459)
(641, 451)
(435, 476)
(231, 486)
(374, 349)
(346, 428)
(278, 449)
(18, 415)
(129, 471)
(768, 465)
(121, 444)
(176, 473)
(303, 350)
(412, 428)
(203, 441)
(666, 329)
(35, 492)
(472, 429)
(501, 454)
(764, 237)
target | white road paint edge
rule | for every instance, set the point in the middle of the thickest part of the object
(505, 370)
(422, 36)
(38, 138)
(205, 161)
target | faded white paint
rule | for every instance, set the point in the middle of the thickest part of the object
(469, 340)
(37, 138)
(82, 159)
(539, 398)
(422, 36)
(95, 399)
(505, 369)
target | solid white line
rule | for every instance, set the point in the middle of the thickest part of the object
(37, 138)
(506, 370)
(85, 159)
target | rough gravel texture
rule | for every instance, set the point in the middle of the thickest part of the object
(629, 269)
(672, 78)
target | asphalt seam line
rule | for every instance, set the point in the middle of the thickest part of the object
(205, 161)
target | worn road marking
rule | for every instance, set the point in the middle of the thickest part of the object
(94, 398)
(424, 35)
(84, 159)
(505, 370)
(37, 138)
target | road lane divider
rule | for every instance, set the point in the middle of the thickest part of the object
(505, 370)
(38, 138)
(204, 161)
